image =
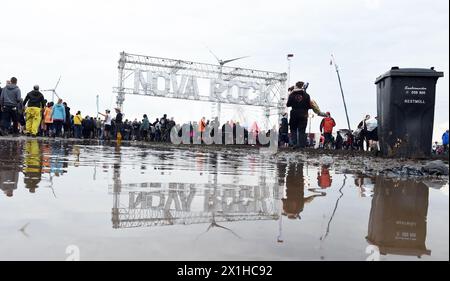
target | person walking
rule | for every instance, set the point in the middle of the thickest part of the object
(372, 133)
(144, 128)
(48, 121)
(77, 121)
(107, 124)
(59, 118)
(202, 128)
(445, 141)
(301, 103)
(284, 131)
(34, 102)
(68, 123)
(10, 97)
(119, 124)
(326, 127)
(363, 134)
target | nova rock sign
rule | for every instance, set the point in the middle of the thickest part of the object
(169, 78)
(163, 84)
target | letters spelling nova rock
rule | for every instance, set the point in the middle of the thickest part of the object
(187, 87)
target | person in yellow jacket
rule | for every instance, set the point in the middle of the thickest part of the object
(77, 121)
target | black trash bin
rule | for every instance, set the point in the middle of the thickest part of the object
(405, 102)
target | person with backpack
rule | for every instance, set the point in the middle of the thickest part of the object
(326, 127)
(301, 103)
(361, 133)
(10, 97)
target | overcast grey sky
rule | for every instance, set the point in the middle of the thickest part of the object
(81, 40)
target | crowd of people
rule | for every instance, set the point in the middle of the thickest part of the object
(36, 116)
(293, 132)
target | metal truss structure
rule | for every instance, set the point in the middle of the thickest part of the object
(171, 78)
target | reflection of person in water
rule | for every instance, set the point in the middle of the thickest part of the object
(57, 161)
(323, 177)
(32, 168)
(362, 183)
(398, 217)
(9, 167)
(295, 199)
(76, 153)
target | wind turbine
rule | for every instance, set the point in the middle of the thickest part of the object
(54, 90)
(221, 64)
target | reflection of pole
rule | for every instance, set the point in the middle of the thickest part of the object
(280, 227)
(335, 209)
(342, 91)
(278, 197)
(117, 188)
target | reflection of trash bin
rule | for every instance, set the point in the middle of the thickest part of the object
(405, 101)
(397, 223)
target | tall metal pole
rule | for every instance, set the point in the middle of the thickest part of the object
(342, 91)
(289, 58)
(219, 105)
(97, 106)
(121, 92)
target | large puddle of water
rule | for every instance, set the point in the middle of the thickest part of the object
(135, 203)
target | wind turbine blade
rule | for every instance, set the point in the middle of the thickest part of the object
(227, 61)
(218, 60)
(57, 83)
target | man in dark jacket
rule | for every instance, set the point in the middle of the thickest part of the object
(284, 131)
(10, 98)
(300, 101)
(36, 102)
(68, 124)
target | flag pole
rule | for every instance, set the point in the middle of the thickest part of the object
(97, 107)
(333, 61)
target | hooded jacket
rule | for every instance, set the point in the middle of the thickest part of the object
(10, 96)
(145, 126)
(34, 99)
(59, 112)
(300, 102)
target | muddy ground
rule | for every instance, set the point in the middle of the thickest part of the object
(355, 162)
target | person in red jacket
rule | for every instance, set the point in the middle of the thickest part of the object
(326, 127)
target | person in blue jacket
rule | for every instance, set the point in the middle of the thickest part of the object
(59, 117)
(445, 141)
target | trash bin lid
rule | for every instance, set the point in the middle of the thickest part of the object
(410, 72)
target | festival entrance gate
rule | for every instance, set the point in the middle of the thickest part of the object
(217, 84)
